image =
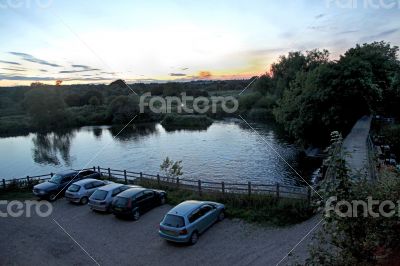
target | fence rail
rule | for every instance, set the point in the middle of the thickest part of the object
(125, 176)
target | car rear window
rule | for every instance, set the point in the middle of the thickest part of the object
(120, 201)
(74, 188)
(173, 221)
(99, 195)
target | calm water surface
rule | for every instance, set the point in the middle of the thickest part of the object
(227, 151)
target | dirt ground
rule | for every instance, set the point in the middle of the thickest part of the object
(105, 240)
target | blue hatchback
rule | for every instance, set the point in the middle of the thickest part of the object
(186, 221)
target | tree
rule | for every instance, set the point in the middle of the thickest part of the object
(171, 169)
(46, 108)
(123, 109)
(94, 101)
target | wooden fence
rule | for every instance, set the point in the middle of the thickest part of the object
(201, 186)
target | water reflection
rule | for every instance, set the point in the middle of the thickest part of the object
(97, 132)
(133, 132)
(48, 147)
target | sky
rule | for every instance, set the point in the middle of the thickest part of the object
(156, 41)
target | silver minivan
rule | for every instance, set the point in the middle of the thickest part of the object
(80, 191)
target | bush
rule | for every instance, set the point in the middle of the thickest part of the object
(173, 121)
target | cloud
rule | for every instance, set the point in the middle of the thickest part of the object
(81, 66)
(348, 31)
(11, 77)
(177, 74)
(9, 62)
(320, 16)
(184, 68)
(43, 70)
(14, 69)
(205, 74)
(380, 35)
(31, 58)
(78, 71)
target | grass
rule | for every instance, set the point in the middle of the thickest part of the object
(172, 121)
(20, 194)
(260, 209)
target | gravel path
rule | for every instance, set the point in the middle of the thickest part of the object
(111, 241)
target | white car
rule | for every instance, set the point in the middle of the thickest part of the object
(80, 191)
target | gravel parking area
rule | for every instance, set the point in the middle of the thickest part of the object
(111, 241)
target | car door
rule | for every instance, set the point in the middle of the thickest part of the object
(89, 188)
(150, 199)
(206, 216)
(141, 202)
(96, 185)
(65, 182)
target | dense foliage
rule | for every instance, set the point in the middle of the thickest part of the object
(312, 96)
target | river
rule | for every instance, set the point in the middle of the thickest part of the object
(227, 150)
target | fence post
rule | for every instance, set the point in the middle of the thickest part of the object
(158, 179)
(4, 183)
(141, 177)
(277, 190)
(249, 188)
(51, 174)
(109, 173)
(98, 170)
(309, 195)
(223, 187)
(27, 178)
(177, 181)
(126, 179)
(199, 186)
(94, 168)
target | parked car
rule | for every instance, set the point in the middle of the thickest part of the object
(58, 183)
(135, 201)
(80, 191)
(102, 197)
(186, 221)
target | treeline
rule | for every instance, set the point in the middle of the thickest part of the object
(45, 107)
(311, 95)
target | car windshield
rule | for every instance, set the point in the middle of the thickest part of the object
(99, 195)
(120, 201)
(173, 221)
(55, 179)
(74, 188)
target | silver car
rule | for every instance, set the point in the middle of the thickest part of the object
(102, 198)
(80, 191)
(186, 221)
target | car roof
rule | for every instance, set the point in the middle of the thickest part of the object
(131, 191)
(67, 172)
(111, 186)
(186, 207)
(85, 181)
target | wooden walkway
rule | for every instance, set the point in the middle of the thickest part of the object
(355, 147)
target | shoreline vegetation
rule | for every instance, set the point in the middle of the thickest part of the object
(307, 94)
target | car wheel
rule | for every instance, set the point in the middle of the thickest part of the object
(84, 200)
(221, 216)
(52, 197)
(162, 200)
(194, 238)
(136, 215)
